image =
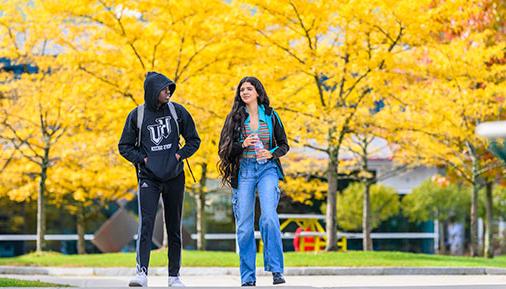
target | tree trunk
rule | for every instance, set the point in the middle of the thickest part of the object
(437, 248)
(80, 226)
(489, 248)
(442, 237)
(25, 224)
(474, 206)
(41, 209)
(331, 226)
(366, 207)
(366, 218)
(201, 203)
(474, 221)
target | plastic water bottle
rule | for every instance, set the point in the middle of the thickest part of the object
(259, 146)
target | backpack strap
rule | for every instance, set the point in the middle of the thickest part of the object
(174, 116)
(140, 118)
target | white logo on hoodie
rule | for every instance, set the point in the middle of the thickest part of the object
(160, 130)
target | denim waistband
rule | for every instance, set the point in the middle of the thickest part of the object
(252, 160)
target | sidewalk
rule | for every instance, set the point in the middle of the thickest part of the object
(340, 282)
(233, 271)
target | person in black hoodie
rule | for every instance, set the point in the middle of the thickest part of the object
(160, 169)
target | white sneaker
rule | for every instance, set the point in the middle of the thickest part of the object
(175, 282)
(140, 280)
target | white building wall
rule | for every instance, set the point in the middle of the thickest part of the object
(405, 181)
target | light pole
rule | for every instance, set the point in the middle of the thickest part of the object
(495, 131)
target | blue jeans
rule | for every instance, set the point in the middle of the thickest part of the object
(264, 177)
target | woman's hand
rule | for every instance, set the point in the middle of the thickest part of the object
(264, 154)
(250, 140)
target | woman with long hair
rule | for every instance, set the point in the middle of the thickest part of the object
(251, 143)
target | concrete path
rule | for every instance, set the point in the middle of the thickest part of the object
(316, 281)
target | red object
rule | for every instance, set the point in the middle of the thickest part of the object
(309, 241)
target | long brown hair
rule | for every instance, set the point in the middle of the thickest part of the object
(228, 165)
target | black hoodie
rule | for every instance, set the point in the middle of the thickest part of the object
(159, 139)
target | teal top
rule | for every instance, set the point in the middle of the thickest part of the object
(262, 117)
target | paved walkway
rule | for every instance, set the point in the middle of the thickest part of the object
(297, 277)
(318, 281)
(234, 271)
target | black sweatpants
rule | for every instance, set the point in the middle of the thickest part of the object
(172, 194)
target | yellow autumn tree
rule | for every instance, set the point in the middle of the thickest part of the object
(114, 44)
(35, 107)
(89, 175)
(460, 87)
(332, 59)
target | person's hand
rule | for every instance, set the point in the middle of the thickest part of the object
(250, 140)
(264, 154)
(146, 160)
(178, 157)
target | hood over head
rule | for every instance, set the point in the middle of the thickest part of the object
(153, 84)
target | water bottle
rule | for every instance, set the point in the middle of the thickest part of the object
(259, 146)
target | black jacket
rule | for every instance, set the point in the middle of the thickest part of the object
(279, 140)
(159, 139)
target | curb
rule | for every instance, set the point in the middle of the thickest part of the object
(290, 271)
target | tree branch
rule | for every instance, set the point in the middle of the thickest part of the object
(306, 31)
(123, 32)
(126, 94)
(309, 146)
(6, 164)
(298, 112)
(279, 46)
(155, 47)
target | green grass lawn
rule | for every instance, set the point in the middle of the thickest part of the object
(230, 259)
(6, 282)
